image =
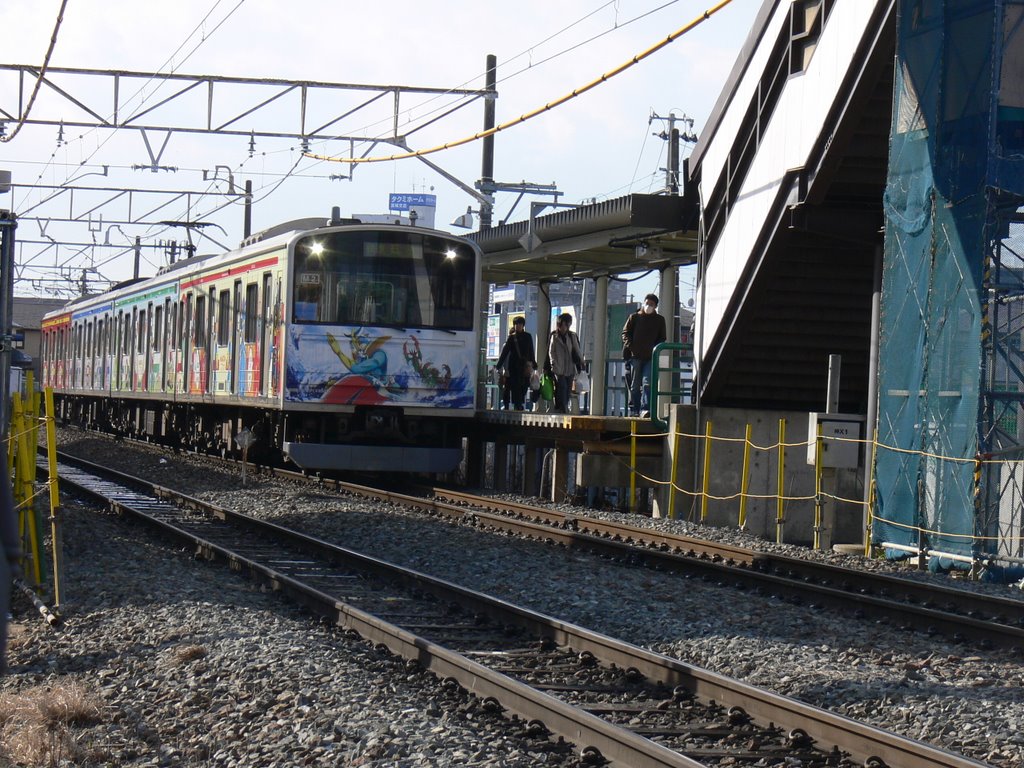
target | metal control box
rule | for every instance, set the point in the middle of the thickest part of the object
(839, 433)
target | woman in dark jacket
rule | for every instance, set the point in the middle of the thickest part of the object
(518, 361)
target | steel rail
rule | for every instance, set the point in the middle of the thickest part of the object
(619, 745)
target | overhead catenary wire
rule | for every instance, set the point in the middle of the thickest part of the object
(42, 74)
(540, 110)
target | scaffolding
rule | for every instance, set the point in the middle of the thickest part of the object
(951, 381)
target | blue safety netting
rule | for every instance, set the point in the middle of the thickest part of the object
(950, 383)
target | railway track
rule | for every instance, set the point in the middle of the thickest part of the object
(618, 703)
(984, 621)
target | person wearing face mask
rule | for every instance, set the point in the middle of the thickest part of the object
(643, 331)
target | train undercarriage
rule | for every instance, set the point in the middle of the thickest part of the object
(366, 439)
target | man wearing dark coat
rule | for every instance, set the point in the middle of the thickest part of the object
(643, 331)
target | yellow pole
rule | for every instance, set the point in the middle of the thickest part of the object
(706, 480)
(870, 517)
(55, 529)
(817, 489)
(23, 492)
(632, 467)
(745, 480)
(675, 464)
(780, 521)
(32, 405)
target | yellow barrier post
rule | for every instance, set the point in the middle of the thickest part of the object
(817, 488)
(869, 518)
(632, 467)
(672, 477)
(780, 521)
(23, 490)
(706, 480)
(55, 528)
(745, 480)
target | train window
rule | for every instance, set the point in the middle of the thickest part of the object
(224, 319)
(252, 315)
(403, 279)
(140, 333)
(158, 325)
(200, 321)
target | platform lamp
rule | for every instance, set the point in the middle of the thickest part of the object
(7, 227)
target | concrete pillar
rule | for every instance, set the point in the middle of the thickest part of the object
(501, 466)
(543, 324)
(560, 475)
(681, 419)
(668, 306)
(599, 365)
(474, 462)
(531, 469)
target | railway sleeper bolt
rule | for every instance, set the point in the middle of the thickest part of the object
(875, 762)
(682, 694)
(587, 659)
(451, 684)
(592, 756)
(537, 729)
(739, 716)
(800, 739)
(633, 674)
(492, 705)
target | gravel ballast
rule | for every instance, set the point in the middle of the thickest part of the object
(190, 675)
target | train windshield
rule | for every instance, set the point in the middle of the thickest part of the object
(402, 279)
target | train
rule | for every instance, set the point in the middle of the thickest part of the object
(333, 344)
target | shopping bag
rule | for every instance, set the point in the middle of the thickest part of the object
(547, 387)
(535, 380)
(582, 382)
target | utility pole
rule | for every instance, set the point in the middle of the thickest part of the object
(8, 223)
(673, 137)
(138, 256)
(487, 164)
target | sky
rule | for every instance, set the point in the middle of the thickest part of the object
(599, 145)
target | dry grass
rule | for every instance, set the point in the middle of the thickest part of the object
(35, 724)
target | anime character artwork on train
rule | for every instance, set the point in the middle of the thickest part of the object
(344, 346)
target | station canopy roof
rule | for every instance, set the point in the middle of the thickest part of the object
(627, 234)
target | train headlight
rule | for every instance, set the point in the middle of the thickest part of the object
(316, 248)
(451, 254)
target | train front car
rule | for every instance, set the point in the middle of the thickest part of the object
(382, 348)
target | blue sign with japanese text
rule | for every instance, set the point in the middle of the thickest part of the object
(403, 202)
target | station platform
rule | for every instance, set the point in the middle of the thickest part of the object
(554, 455)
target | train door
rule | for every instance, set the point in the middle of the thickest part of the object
(156, 349)
(265, 330)
(97, 369)
(211, 339)
(115, 351)
(249, 363)
(170, 313)
(222, 342)
(235, 318)
(140, 381)
(197, 366)
(181, 365)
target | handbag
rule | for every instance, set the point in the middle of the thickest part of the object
(534, 380)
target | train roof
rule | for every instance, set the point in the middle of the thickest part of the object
(269, 239)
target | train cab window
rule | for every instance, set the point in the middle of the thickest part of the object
(308, 292)
(390, 278)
